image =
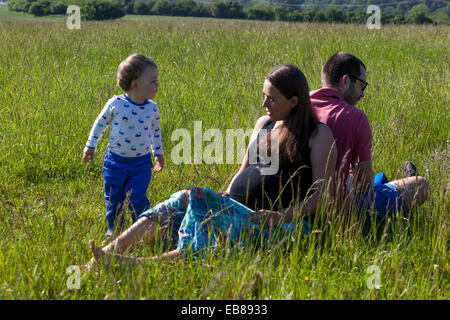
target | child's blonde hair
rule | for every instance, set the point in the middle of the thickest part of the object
(131, 68)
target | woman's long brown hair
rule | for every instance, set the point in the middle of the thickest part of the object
(302, 122)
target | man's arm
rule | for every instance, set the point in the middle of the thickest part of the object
(362, 163)
(363, 175)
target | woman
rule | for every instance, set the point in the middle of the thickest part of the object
(300, 148)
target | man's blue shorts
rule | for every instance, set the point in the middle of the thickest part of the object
(385, 199)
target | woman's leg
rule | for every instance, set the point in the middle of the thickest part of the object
(143, 229)
(165, 215)
(100, 254)
(414, 190)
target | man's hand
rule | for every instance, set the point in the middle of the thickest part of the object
(159, 165)
(266, 218)
(88, 154)
(363, 176)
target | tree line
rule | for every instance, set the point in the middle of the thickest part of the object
(104, 9)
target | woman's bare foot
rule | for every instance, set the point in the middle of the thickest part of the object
(95, 260)
(99, 256)
(88, 267)
(97, 253)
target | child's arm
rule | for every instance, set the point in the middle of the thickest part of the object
(157, 148)
(98, 129)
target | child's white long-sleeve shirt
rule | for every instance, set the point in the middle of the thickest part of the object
(135, 128)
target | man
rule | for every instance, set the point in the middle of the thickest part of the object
(343, 83)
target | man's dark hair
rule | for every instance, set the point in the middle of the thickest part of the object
(338, 65)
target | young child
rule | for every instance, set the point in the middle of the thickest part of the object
(135, 129)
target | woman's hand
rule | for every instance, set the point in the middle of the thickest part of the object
(224, 194)
(266, 218)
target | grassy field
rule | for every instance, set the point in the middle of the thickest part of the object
(55, 81)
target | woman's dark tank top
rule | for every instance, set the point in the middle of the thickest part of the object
(273, 192)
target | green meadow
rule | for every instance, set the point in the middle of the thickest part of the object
(54, 82)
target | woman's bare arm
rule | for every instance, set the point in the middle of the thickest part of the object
(323, 162)
(245, 162)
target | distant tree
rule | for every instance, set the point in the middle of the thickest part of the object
(142, 7)
(162, 7)
(201, 11)
(184, 8)
(319, 16)
(286, 14)
(404, 6)
(40, 8)
(308, 15)
(126, 5)
(58, 7)
(442, 15)
(280, 13)
(227, 9)
(100, 10)
(387, 18)
(398, 19)
(334, 15)
(20, 5)
(419, 14)
(260, 12)
(404, 11)
(294, 15)
(391, 10)
(359, 17)
(349, 16)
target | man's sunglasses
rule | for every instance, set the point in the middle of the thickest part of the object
(364, 83)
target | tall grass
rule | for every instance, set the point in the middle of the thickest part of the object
(55, 81)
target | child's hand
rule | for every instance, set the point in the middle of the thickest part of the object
(159, 165)
(88, 154)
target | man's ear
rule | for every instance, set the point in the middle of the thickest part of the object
(344, 81)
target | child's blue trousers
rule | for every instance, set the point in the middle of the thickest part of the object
(120, 176)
